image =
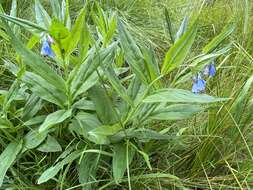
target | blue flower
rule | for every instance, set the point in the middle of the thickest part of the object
(46, 49)
(209, 70)
(212, 70)
(199, 84)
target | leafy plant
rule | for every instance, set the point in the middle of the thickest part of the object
(84, 104)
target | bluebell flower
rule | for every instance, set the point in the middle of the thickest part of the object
(212, 70)
(209, 70)
(199, 85)
(46, 49)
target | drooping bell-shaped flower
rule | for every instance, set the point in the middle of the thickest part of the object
(212, 69)
(199, 84)
(46, 49)
(209, 70)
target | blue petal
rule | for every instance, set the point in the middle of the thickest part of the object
(199, 86)
(212, 70)
(201, 83)
(195, 88)
(46, 49)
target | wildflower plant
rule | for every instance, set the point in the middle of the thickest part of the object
(85, 103)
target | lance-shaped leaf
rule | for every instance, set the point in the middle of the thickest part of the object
(13, 11)
(111, 29)
(171, 95)
(103, 104)
(24, 23)
(73, 39)
(100, 134)
(43, 89)
(115, 82)
(8, 157)
(169, 25)
(11, 95)
(42, 17)
(52, 171)
(182, 29)
(87, 169)
(178, 52)
(55, 118)
(132, 52)
(50, 145)
(176, 112)
(80, 75)
(120, 160)
(32, 106)
(56, 9)
(218, 39)
(33, 139)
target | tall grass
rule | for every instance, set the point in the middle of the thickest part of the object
(113, 108)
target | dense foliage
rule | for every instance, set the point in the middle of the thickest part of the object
(125, 95)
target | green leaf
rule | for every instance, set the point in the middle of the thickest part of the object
(11, 95)
(36, 63)
(115, 82)
(24, 23)
(169, 25)
(33, 139)
(176, 112)
(119, 162)
(42, 17)
(101, 133)
(56, 9)
(72, 41)
(65, 13)
(99, 18)
(239, 104)
(59, 32)
(35, 120)
(43, 89)
(103, 105)
(112, 27)
(52, 171)
(218, 39)
(83, 123)
(13, 11)
(180, 96)
(5, 123)
(143, 135)
(178, 52)
(87, 169)
(32, 106)
(50, 145)
(84, 104)
(132, 52)
(105, 130)
(89, 83)
(55, 118)
(80, 75)
(151, 64)
(85, 42)
(8, 157)
(33, 41)
(182, 29)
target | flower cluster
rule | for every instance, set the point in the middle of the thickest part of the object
(199, 84)
(46, 49)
